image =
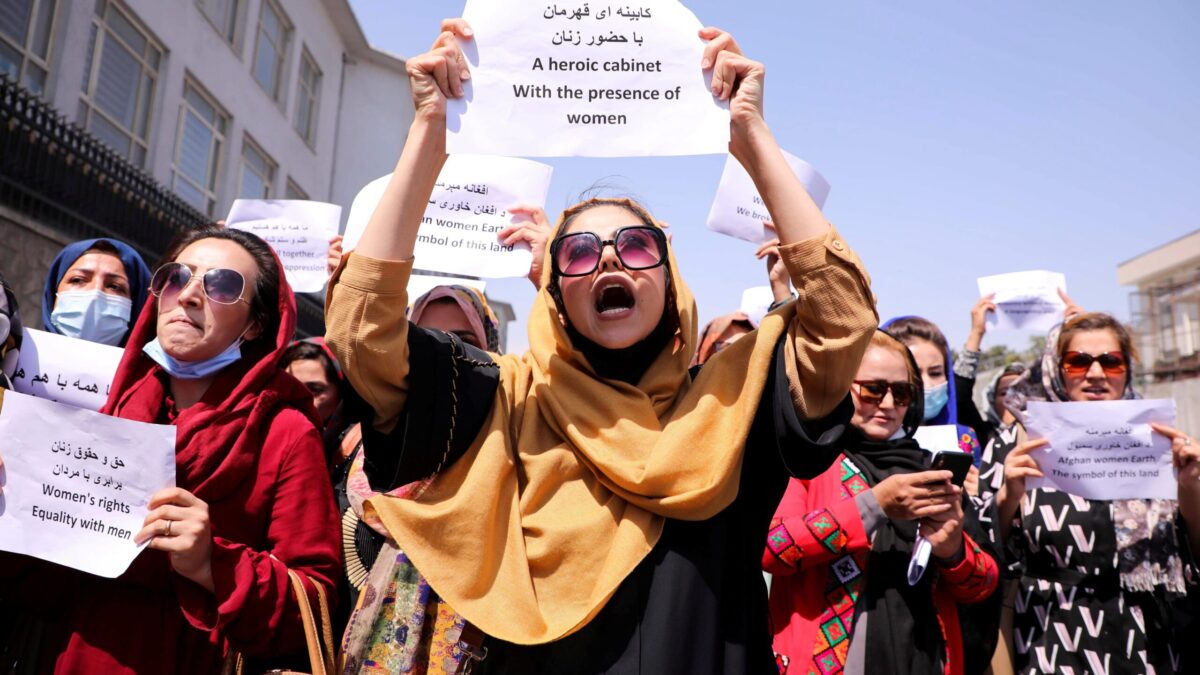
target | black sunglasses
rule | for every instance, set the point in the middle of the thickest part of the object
(639, 247)
(874, 391)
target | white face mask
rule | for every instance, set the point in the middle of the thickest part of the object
(94, 316)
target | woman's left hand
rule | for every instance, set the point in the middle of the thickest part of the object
(1184, 453)
(944, 531)
(534, 229)
(178, 524)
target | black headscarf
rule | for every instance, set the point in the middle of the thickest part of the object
(903, 635)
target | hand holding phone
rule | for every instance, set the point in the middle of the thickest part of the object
(956, 462)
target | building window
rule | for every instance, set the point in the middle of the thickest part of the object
(258, 172)
(274, 33)
(25, 30)
(118, 90)
(223, 14)
(294, 191)
(198, 144)
(307, 95)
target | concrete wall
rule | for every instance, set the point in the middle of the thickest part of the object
(26, 251)
(373, 117)
(376, 112)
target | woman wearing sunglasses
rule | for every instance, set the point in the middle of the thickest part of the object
(840, 544)
(589, 506)
(1096, 577)
(253, 496)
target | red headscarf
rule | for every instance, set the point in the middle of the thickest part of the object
(218, 438)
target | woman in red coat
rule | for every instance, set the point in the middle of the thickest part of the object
(253, 496)
(840, 544)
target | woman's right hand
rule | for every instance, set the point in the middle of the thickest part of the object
(438, 74)
(1018, 466)
(912, 496)
(979, 321)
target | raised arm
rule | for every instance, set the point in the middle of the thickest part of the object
(366, 326)
(835, 311)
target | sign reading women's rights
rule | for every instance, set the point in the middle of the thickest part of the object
(737, 208)
(298, 230)
(77, 483)
(1104, 449)
(467, 209)
(58, 368)
(587, 79)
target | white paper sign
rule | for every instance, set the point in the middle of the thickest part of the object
(58, 368)
(938, 438)
(298, 230)
(1104, 449)
(756, 302)
(420, 284)
(468, 207)
(1025, 300)
(738, 210)
(585, 79)
(77, 483)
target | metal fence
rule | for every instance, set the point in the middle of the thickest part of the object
(62, 177)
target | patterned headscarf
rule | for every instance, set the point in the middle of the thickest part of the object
(474, 305)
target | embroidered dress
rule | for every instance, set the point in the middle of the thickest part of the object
(817, 549)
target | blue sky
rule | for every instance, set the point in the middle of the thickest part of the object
(961, 140)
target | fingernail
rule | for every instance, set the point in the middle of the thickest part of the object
(706, 62)
(466, 75)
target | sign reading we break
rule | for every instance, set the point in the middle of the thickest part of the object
(585, 79)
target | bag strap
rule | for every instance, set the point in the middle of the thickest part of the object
(320, 655)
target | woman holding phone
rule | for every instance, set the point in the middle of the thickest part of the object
(840, 544)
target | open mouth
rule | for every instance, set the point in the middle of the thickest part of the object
(614, 299)
(1095, 392)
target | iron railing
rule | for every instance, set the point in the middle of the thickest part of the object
(60, 176)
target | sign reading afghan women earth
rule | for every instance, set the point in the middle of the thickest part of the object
(586, 79)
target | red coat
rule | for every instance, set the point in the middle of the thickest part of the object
(817, 527)
(251, 451)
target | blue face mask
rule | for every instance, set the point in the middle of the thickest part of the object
(193, 370)
(94, 316)
(936, 399)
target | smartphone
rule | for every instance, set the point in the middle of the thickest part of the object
(958, 463)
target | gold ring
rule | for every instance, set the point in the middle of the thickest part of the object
(167, 533)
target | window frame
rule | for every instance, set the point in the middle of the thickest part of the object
(88, 106)
(232, 38)
(279, 96)
(314, 96)
(28, 55)
(248, 142)
(292, 190)
(221, 138)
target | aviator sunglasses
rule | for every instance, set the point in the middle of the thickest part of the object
(639, 247)
(222, 286)
(1079, 363)
(874, 391)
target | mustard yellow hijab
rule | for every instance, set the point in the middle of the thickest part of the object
(566, 488)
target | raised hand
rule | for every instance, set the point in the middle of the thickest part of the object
(912, 496)
(979, 321)
(334, 257)
(438, 74)
(777, 272)
(534, 229)
(1072, 308)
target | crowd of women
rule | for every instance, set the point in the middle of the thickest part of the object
(608, 501)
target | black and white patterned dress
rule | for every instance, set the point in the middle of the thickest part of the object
(1072, 615)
